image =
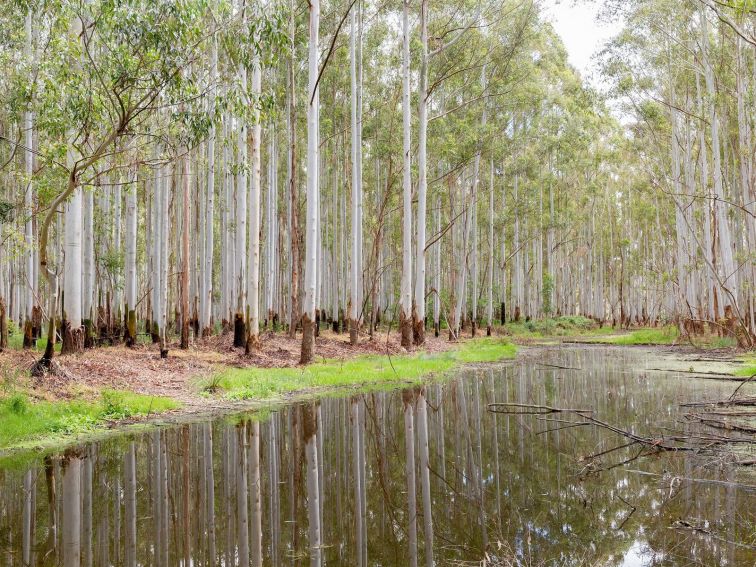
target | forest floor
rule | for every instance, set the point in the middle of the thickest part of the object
(108, 386)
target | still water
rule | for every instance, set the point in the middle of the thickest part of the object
(329, 482)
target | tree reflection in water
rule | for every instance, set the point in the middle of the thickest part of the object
(329, 483)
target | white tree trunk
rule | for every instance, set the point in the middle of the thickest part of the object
(253, 332)
(418, 317)
(405, 300)
(355, 296)
(313, 188)
(206, 296)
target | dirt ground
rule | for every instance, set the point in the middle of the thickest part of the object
(142, 370)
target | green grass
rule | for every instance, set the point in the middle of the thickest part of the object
(661, 336)
(23, 421)
(750, 366)
(268, 383)
(16, 342)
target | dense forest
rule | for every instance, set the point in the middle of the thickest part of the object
(184, 169)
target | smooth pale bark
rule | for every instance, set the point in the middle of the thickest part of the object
(206, 295)
(728, 272)
(437, 268)
(355, 276)
(405, 298)
(242, 195)
(88, 267)
(418, 313)
(490, 267)
(291, 166)
(184, 278)
(30, 284)
(271, 216)
(254, 144)
(313, 190)
(73, 333)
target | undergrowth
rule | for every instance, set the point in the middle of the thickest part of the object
(662, 336)
(23, 420)
(267, 383)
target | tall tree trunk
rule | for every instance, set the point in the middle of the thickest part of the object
(355, 296)
(418, 313)
(405, 300)
(313, 191)
(253, 324)
(185, 220)
(130, 262)
(31, 299)
(490, 267)
(206, 297)
(291, 119)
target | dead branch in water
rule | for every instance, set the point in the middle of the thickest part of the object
(585, 414)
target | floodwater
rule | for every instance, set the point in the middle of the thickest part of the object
(328, 482)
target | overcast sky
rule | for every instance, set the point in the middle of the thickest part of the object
(582, 34)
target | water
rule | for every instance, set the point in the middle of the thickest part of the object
(263, 488)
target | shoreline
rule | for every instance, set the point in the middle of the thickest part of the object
(212, 378)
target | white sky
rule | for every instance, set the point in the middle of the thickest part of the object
(583, 36)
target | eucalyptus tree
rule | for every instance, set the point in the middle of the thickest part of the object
(355, 278)
(116, 40)
(313, 188)
(405, 292)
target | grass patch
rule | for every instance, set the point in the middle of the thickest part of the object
(661, 336)
(267, 383)
(23, 421)
(750, 366)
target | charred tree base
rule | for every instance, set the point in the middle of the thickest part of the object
(517, 315)
(354, 332)
(437, 329)
(252, 344)
(89, 337)
(317, 323)
(418, 331)
(130, 329)
(405, 325)
(3, 326)
(488, 330)
(503, 314)
(308, 339)
(474, 328)
(240, 331)
(29, 341)
(73, 339)
(163, 353)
